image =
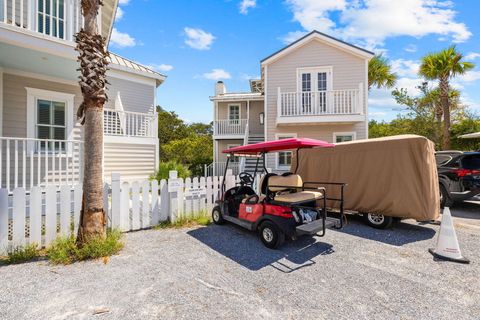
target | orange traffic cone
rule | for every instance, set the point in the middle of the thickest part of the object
(447, 243)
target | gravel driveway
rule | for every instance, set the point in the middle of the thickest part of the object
(225, 272)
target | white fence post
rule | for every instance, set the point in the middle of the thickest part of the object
(125, 207)
(136, 206)
(145, 204)
(164, 201)
(35, 215)
(50, 214)
(155, 205)
(77, 206)
(19, 216)
(3, 221)
(115, 212)
(65, 215)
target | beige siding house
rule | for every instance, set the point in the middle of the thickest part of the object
(40, 138)
(317, 87)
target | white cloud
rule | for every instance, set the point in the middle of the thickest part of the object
(405, 68)
(217, 74)
(123, 2)
(292, 36)
(198, 39)
(121, 39)
(472, 56)
(160, 67)
(379, 114)
(470, 76)
(119, 14)
(370, 22)
(247, 4)
(411, 48)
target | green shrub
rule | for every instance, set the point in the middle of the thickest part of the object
(201, 219)
(22, 254)
(65, 250)
(166, 167)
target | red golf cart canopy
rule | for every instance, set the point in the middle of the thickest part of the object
(278, 145)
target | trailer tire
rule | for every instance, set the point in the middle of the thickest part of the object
(217, 216)
(378, 221)
(445, 199)
(271, 236)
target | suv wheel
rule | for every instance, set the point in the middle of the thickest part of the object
(378, 221)
(445, 199)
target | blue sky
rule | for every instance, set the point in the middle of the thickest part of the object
(197, 42)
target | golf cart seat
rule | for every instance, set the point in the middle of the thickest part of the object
(286, 189)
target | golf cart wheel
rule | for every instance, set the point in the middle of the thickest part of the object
(445, 200)
(378, 221)
(217, 216)
(272, 237)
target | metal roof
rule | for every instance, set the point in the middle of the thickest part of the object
(135, 66)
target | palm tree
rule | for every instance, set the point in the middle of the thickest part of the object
(380, 73)
(443, 66)
(93, 67)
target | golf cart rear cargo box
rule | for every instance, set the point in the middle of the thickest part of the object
(394, 176)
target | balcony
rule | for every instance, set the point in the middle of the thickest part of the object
(320, 106)
(59, 19)
(230, 128)
(130, 124)
(26, 162)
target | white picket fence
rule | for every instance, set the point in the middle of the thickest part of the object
(42, 214)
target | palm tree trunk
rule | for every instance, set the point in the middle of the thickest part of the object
(444, 101)
(93, 66)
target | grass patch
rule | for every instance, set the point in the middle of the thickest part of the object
(21, 254)
(65, 251)
(199, 220)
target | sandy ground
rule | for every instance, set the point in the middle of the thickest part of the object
(225, 272)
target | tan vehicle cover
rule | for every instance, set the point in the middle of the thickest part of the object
(394, 176)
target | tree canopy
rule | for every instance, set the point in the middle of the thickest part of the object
(380, 73)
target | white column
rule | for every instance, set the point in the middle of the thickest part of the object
(279, 102)
(69, 19)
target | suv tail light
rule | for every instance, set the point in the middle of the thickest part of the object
(465, 172)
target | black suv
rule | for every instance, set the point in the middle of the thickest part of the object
(459, 175)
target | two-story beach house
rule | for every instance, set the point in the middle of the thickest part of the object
(317, 87)
(40, 138)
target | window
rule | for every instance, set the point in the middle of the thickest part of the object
(284, 158)
(233, 159)
(339, 137)
(50, 122)
(51, 17)
(234, 114)
(49, 116)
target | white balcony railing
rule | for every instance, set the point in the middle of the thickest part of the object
(218, 168)
(130, 124)
(331, 102)
(56, 18)
(230, 127)
(26, 162)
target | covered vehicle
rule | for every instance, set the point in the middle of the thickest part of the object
(285, 206)
(387, 177)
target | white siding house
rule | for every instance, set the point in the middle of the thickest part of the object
(316, 87)
(40, 138)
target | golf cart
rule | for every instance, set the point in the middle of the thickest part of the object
(285, 206)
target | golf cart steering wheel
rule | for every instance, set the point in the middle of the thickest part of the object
(246, 178)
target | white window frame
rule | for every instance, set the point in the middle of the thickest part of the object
(336, 134)
(277, 154)
(314, 80)
(239, 105)
(33, 95)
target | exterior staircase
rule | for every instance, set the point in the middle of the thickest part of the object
(250, 163)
